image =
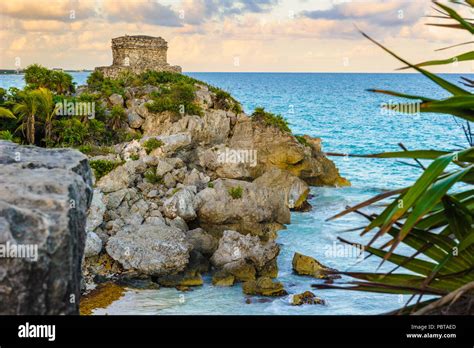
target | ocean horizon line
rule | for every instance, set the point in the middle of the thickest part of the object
(272, 72)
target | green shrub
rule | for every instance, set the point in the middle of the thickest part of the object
(103, 167)
(71, 132)
(95, 80)
(237, 108)
(6, 135)
(155, 78)
(94, 150)
(210, 184)
(59, 82)
(127, 78)
(177, 98)
(134, 157)
(152, 144)
(85, 149)
(271, 119)
(117, 117)
(301, 139)
(223, 100)
(152, 178)
(236, 192)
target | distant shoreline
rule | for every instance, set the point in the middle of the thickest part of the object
(20, 72)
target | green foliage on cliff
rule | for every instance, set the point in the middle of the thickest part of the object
(271, 119)
(223, 100)
(152, 178)
(116, 117)
(301, 139)
(152, 144)
(236, 192)
(178, 98)
(103, 167)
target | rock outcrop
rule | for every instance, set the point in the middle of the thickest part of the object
(296, 190)
(209, 196)
(151, 249)
(44, 197)
(306, 297)
(306, 265)
(242, 206)
(244, 256)
(264, 286)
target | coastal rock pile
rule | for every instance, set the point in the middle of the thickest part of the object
(44, 198)
(210, 196)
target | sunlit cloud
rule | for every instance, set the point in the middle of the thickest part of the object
(208, 35)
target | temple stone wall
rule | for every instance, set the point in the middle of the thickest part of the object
(138, 54)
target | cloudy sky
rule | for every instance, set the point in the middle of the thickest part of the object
(227, 35)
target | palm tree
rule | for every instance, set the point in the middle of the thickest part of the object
(26, 109)
(47, 110)
(6, 113)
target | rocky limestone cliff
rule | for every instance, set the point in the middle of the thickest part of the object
(44, 198)
(175, 211)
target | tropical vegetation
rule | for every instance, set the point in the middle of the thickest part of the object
(31, 115)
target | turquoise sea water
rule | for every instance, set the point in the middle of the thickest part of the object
(337, 108)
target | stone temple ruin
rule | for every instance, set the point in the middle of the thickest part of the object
(138, 53)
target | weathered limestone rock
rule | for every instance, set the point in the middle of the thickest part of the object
(241, 270)
(181, 204)
(116, 99)
(306, 265)
(153, 250)
(222, 278)
(228, 163)
(95, 216)
(263, 286)
(93, 245)
(259, 211)
(44, 197)
(234, 246)
(120, 178)
(185, 279)
(296, 190)
(202, 241)
(306, 297)
(134, 119)
(276, 148)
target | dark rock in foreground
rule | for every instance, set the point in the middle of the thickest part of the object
(44, 197)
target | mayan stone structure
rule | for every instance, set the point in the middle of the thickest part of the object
(138, 53)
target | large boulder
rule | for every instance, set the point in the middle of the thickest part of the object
(202, 241)
(306, 297)
(306, 265)
(296, 190)
(234, 246)
(134, 119)
(93, 245)
(277, 148)
(44, 198)
(264, 286)
(181, 204)
(120, 178)
(116, 99)
(150, 249)
(241, 206)
(228, 163)
(95, 216)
